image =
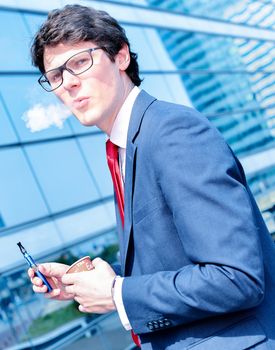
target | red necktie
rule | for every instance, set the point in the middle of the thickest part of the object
(112, 159)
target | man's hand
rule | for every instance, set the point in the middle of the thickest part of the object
(92, 289)
(53, 272)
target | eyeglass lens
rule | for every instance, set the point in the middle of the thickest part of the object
(77, 64)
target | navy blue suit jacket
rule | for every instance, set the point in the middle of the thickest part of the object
(198, 259)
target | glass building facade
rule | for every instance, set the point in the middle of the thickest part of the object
(55, 191)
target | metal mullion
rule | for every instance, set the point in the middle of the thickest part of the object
(47, 218)
(48, 140)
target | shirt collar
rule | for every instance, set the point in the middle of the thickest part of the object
(121, 124)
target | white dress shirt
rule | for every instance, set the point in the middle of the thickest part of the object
(118, 136)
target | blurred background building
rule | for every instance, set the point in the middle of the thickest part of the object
(55, 190)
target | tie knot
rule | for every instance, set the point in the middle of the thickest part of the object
(111, 150)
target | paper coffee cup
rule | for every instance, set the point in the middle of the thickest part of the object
(83, 264)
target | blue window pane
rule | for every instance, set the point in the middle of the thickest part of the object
(140, 44)
(157, 86)
(1, 222)
(20, 94)
(38, 240)
(33, 22)
(20, 198)
(94, 150)
(14, 42)
(150, 57)
(63, 174)
(92, 221)
(94, 246)
(254, 13)
(7, 134)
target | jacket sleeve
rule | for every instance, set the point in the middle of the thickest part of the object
(205, 190)
(117, 268)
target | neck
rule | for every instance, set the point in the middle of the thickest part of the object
(128, 88)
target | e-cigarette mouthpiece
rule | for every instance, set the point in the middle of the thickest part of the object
(22, 249)
(33, 265)
(27, 256)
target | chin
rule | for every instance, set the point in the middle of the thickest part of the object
(86, 123)
(85, 120)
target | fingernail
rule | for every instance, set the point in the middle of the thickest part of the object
(81, 308)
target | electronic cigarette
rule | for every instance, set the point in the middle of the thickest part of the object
(34, 266)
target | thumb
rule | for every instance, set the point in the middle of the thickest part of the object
(52, 269)
(70, 278)
(97, 262)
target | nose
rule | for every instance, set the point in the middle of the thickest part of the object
(69, 80)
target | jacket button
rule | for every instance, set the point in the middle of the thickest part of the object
(156, 324)
(161, 324)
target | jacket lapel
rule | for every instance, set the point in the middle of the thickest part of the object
(141, 104)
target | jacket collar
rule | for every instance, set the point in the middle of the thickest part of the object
(143, 101)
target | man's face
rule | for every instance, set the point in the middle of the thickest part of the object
(96, 95)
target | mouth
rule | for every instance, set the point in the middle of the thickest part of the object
(80, 102)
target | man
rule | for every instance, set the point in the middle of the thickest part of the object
(197, 262)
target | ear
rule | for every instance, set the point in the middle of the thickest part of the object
(123, 58)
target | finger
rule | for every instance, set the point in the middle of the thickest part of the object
(52, 269)
(94, 310)
(54, 293)
(30, 272)
(53, 282)
(42, 289)
(97, 261)
(83, 309)
(37, 281)
(70, 278)
(78, 300)
(70, 290)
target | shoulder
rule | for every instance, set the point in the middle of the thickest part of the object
(187, 139)
(183, 130)
(162, 113)
(166, 120)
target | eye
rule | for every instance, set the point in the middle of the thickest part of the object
(79, 63)
(54, 76)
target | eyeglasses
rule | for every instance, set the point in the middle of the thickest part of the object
(77, 64)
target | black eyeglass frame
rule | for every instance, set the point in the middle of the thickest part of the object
(63, 67)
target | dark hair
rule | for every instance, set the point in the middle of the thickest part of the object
(76, 23)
